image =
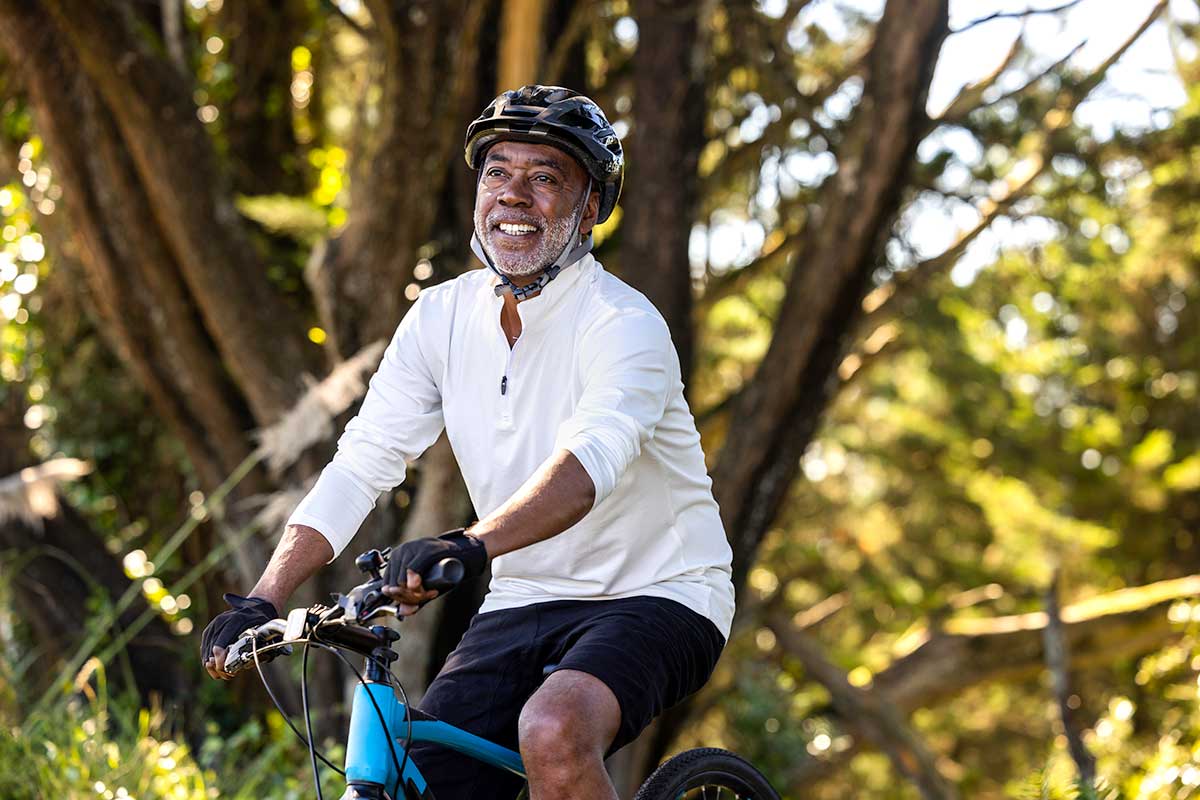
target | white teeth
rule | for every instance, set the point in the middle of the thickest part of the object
(516, 229)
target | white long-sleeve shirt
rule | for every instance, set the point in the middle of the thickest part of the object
(594, 372)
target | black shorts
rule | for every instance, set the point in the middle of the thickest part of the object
(651, 652)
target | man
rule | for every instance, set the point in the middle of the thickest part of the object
(560, 392)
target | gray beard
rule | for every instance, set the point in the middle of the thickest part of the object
(554, 239)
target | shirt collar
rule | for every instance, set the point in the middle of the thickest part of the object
(537, 309)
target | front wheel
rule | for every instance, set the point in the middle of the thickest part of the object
(706, 773)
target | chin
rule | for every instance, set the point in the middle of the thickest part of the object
(519, 271)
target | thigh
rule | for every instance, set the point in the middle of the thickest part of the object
(651, 652)
(481, 689)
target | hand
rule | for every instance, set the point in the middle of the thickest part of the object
(411, 595)
(226, 627)
(411, 560)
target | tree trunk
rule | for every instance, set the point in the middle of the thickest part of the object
(132, 277)
(778, 411)
(189, 202)
(57, 567)
(664, 147)
(63, 568)
(257, 120)
(519, 59)
(428, 52)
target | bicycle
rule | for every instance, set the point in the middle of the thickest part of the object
(383, 727)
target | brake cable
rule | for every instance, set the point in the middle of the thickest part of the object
(378, 710)
(314, 640)
(279, 706)
(312, 749)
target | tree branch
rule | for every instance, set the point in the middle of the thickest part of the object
(330, 5)
(1058, 662)
(177, 168)
(857, 207)
(936, 665)
(879, 303)
(970, 96)
(1031, 12)
(878, 720)
(956, 112)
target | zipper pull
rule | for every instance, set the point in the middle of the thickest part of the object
(504, 385)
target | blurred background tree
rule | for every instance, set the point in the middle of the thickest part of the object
(929, 266)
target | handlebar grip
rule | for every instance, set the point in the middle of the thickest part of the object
(444, 575)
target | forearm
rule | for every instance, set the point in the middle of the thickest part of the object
(556, 497)
(302, 551)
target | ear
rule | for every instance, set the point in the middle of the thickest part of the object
(590, 212)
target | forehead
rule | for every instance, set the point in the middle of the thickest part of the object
(525, 155)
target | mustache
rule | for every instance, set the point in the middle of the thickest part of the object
(514, 218)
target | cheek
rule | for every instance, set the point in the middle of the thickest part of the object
(482, 204)
(555, 207)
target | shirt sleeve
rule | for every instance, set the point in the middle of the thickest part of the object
(629, 368)
(401, 416)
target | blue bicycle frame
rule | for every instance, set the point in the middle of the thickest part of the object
(369, 745)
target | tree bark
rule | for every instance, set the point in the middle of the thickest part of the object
(878, 720)
(61, 567)
(65, 568)
(428, 52)
(259, 38)
(521, 24)
(1058, 664)
(131, 275)
(190, 202)
(664, 148)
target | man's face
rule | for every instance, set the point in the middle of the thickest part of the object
(526, 204)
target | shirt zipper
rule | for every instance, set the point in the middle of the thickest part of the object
(505, 397)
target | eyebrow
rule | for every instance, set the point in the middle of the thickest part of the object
(536, 161)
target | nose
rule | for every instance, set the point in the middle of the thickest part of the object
(515, 192)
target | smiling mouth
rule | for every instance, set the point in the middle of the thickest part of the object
(516, 228)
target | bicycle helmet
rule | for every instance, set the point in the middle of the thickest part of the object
(557, 116)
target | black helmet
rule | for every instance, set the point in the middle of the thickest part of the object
(557, 116)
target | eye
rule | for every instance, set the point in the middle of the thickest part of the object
(543, 178)
(494, 172)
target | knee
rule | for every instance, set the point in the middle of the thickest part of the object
(551, 738)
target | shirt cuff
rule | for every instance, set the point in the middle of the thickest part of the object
(336, 507)
(594, 464)
(320, 526)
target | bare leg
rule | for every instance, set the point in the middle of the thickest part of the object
(565, 729)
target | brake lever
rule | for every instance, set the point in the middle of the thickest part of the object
(379, 611)
(241, 653)
(360, 603)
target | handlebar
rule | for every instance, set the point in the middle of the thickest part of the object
(444, 575)
(343, 624)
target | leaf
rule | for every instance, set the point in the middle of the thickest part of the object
(1184, 476)
(1154, 450)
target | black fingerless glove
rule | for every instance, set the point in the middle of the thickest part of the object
(421, 554)
(226, 627)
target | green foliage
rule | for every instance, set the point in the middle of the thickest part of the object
(296, 217)
(91, 747)
(1037, 415)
